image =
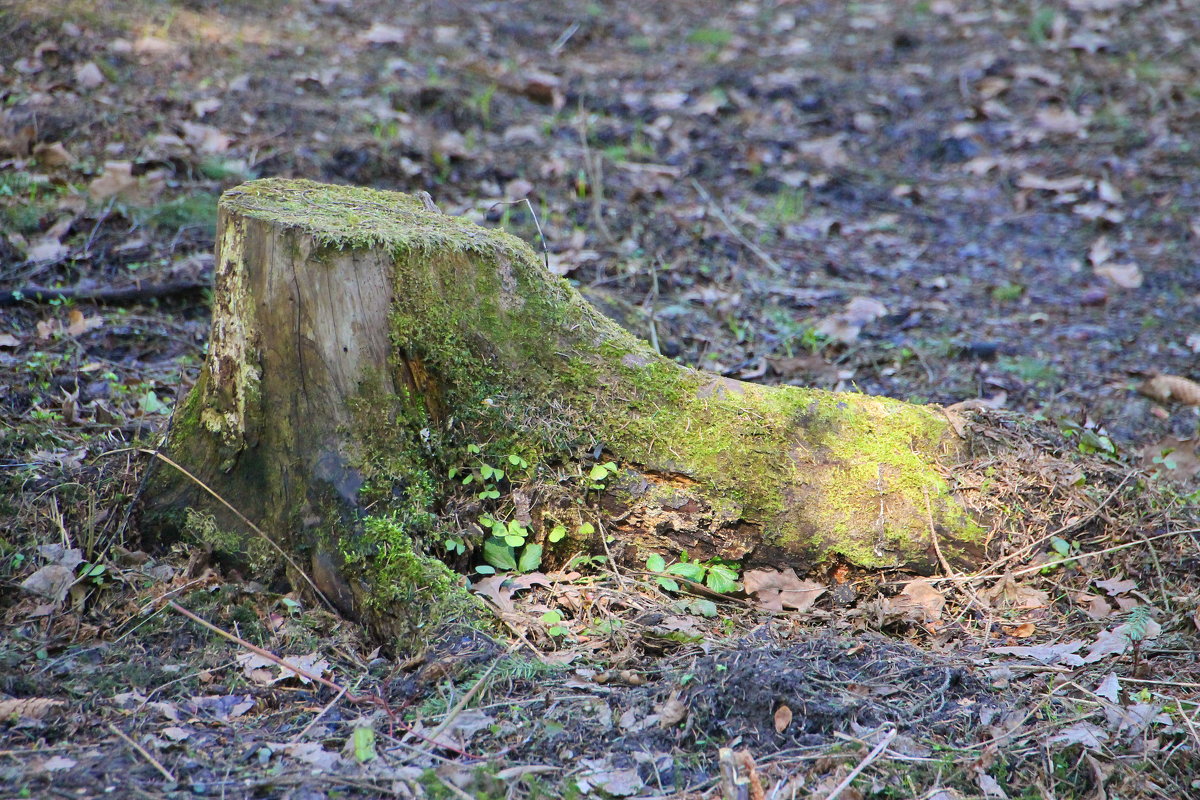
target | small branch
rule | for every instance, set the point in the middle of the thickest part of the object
(763, 255)
(110, 295)
(1077, 557)
(257, 530)
(144, 753)
(866, 762)
(341, 690)
(320, 714)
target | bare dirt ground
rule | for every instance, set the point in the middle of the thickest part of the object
(939, 201)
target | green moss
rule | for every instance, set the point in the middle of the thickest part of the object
(416, 592)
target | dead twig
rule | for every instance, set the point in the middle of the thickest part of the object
(245, 520)
(1077, 557)
(351, 696)
(144, 753)
(875, 753)
(763, 255)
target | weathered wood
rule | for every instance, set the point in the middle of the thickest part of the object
(363, 347)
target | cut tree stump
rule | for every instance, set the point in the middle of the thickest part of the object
(389, 391)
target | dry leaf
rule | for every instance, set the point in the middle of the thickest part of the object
(47, 248)
(1126, 276)
(382, 33)
(1172, 457)
(117, 178)
(1075, 183)
(1172, 388)
(1022, 631)
(847, 325)
(1110, 688)
(1100, 251)
(52, 582)
(783, 718)
(1046, 654)
(989, 786)
(28, 707)
(542, 87)
(922, 594)
(777, 589)
(78, 324)
(1109, 193)
(267, 672)
(671, 712)
(205, 138)
(153, 47)
(88, 75)
(53, 154)
(1062, 121)
(8, 340)
(995, 401)
(1087, 734)
(500, 588)
(1093, 605)
(1006, 593)
(1098, 210)
(57, 764)
(827, 149)
(1116, 586)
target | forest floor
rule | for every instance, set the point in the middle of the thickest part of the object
(940, 201)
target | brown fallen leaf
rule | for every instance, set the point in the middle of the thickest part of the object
(1126, 276)
(28, 707)
(52, 581)
(778, 589)
(78, 324)
(783, 718)
(1007, 593)
(1022, 631)
(671, 712)
(89, 76)
(116, 178)
(922, 595)
(1116, 586)
(53, 154)
(1171, 457)
(1172, 388)
(1074, 183)
(500, 588)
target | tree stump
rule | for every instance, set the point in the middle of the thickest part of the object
(389, 391)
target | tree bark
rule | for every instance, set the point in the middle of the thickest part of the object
(365, 349)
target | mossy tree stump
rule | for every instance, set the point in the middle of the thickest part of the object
(365, 349)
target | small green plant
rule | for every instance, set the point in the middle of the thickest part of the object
(1041, 24)
(600, 473)
(791, 205)
(554, 620)
(92, 573)
(1007, 292)
(717, 574)
(1063, 549)
(715, 38)
(481, 101)
(1036, 371)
